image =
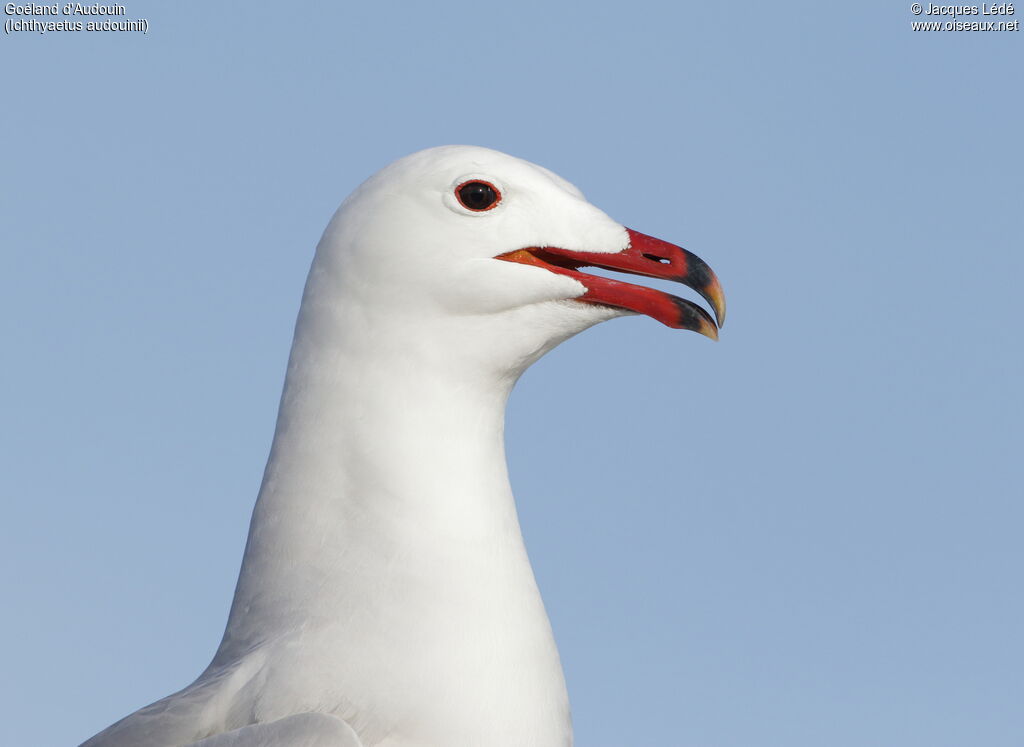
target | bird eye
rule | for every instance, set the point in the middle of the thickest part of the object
(477, 196)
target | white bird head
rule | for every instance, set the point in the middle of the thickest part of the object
(477, 245)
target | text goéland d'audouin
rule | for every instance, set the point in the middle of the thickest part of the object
(67, 9)
(40, 18)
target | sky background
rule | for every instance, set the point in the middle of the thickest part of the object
(808, 534)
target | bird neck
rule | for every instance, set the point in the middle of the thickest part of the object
(385, 576)
(388, 458)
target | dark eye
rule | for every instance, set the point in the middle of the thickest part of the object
(478, 196)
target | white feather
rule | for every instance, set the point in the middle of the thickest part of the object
(385, 587)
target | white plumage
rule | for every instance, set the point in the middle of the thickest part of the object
(385, 597)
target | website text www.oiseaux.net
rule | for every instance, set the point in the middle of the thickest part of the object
(965, 17)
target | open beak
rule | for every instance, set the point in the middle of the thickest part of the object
(648, 256)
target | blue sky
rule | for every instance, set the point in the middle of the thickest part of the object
(806, 534)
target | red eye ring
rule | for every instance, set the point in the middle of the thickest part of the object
(478, 195)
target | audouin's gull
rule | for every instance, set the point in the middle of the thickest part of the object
(385, 597)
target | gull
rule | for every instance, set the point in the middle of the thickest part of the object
(385, 597)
